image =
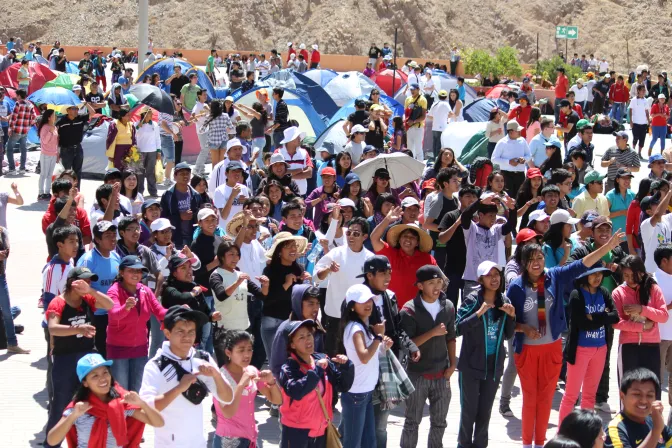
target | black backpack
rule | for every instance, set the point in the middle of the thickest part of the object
(198, 390)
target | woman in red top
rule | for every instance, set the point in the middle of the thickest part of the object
(660, 112)
(522, 113)
(632, 220)
(314, 57)
(407, 248)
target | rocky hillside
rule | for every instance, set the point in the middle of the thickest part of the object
(426, 27)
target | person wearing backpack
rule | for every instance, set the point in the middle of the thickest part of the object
(415, 110)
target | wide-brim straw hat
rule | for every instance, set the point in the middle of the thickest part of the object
(426, 242)
(234, 226)
(281, 237)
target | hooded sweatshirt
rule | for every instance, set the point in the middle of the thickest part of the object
(632, 328)
(279, 353)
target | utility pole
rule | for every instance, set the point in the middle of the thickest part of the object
(143, 32)
(537, 70)
(394, 73)
(627, 55)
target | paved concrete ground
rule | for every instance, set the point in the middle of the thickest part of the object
(22, 377)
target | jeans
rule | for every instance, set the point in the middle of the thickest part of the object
(47, 165)
(50, 365)
(207, 333)
(147, 171)
(414, 138)
(128, 372)
(269, 326)
(491, 149)
(436, 143)
(168, 148)
(7, 311)
(357, 423)
(657, 132)
(617, 111)
(510, 374)
(64, 378)
(258, 144)
(72, 158)
(229, 442)
(556, 109)
(455, 284)
(380, 417)
(202, 154)
(156, 336)
(13, 140)
(278, 136)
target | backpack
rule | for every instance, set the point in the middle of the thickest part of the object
(198, 390)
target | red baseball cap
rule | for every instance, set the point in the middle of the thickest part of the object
(533, 172)
(328, 171)
(525, 234)
(428, 184)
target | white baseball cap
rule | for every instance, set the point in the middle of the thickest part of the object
(232, 143)
(358, 294)
(563, 216)
(161, 224)
(205, 212)
(347, 202)
(485, 267)
(358, 128)
(538, 215)
(409, 201)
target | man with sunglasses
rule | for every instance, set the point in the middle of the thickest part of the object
(342, 265)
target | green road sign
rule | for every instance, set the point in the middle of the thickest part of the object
(572, 32)
(561, 32)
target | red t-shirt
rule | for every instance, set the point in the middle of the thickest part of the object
(403, 271)
(304, 52)
(656, 109)
(290, 53)
(618, 93)
(522, 116)
(632, 222)
(561, 86)
(315, 57)
(72, 317)
(81, 220)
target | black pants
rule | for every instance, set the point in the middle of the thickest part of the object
(513, 180)
(602, 395)
(298, 438)
(50, 366)
(72, 158)
(639, 135)
(476, 398)
(178, 151)
(453, 67)
(254, 311)
(332, 339)
(313, 65)
(455, 285)
(491, 149)
(100, 341)
(632, 356)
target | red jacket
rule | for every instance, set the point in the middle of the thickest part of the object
(290, 52)
(618, 93)
(522, 116)
(81, 221)
(315, 57)
(304, 52)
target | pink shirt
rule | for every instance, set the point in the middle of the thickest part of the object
(242, 424)
(49, 140)
(632, 329)
(532, 131)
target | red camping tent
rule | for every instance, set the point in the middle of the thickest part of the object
(40, 75)
(384, 81)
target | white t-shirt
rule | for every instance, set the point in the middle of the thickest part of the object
(355, 150)
(184, 420)
(482, 244)
(263, 67)
(218, 176)
(432, 308)
(366, 375)
(198, 108)
(351, 264)
(589, 85)
(252, 260)
(604, 66)
(639, 106)
(439, 113)
(234, 308)
(222, 194)
(652, 237)
(427, 86)
(580, 94)
(665, 282)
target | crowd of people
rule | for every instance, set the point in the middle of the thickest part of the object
(283, 273)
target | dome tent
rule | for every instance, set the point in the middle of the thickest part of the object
(343, 112)
(322, 77)
(479, 110)
(165, 69)
(333, 134)
(442, 81)
(390, 82)
(348, 86)
(39, 74)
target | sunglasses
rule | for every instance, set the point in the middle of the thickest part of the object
(353, 233)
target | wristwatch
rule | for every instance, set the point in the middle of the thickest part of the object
(378, 337)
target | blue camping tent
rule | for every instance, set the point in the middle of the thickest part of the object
(479, 110)
(288, 79)
(165, 69)
(348, 86)
(343, 112)
(320, 76)
(299, 107)
(442, 81)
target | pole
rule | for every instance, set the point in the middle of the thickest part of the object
(143, 32)
(537, 70)
(627, 54)
(566, 54)
(394, 73)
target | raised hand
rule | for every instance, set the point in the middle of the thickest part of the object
(133, 398)
(81, 287)
(509, 309)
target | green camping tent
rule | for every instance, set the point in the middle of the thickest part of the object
(477, 146)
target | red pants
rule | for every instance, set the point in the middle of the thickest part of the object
(102, 81)
(538, 369)
(583, 376)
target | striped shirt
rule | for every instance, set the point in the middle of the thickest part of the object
(84, 425)
(625, 433)
(627, 158)
(54, 276)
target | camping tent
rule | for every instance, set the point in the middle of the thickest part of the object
(39, 73)
(479, 110)
(333, 134)
(348, 86)
(94, 146)
(343, 112)
(165, 69)
(321, 76)
(288, 79)
(442, 81)
(496, 91)
(457, 135)
(385, 79)
(299, 107)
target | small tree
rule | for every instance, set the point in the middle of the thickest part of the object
(478, 61)
(506, 62)
(547, 70)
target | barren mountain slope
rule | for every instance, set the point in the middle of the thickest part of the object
(426, 27)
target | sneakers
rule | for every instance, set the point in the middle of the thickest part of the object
(44, 197)
(505, 410)
(17, 350)
(22, 171)
(604, 407)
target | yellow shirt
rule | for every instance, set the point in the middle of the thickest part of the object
(583, 202)
(124, 137)
(422, 102)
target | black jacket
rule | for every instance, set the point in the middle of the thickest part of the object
(170, 210)
(586, 249)
(392, 319)
(285, 181)
(577, 320)
(473, 355)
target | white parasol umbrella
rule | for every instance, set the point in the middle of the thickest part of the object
(402, 168)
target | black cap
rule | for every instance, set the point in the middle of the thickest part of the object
(112, 172)
(650, 201)
(82, 273)
(181, 166)
(565, 103)
(236, 165)
(181, 312)
(293, 325)
(132, 262)
(375, 264)
(149, 202)
(178, 260)
(623, 172)
(382, 173)
(369, 148)
(428, 272)
(311, 292)
(102, 227)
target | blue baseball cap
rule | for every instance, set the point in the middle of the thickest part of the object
(553, 141)
(351, 178)
(88, 363)
(369, 148)
(414, 86)
(148, 203)
(122, 80)
(655, 158)
(132, 262)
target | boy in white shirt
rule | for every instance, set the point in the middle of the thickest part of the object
(657, 229)
(230, 197)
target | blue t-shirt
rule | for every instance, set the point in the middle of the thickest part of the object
(619, 203)
(105, 268)
(462, 91)
(492, 332)
(594, 304)
(553, 257)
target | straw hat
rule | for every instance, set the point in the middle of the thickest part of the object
(235, 225)
(301, 243)
(426, 242)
